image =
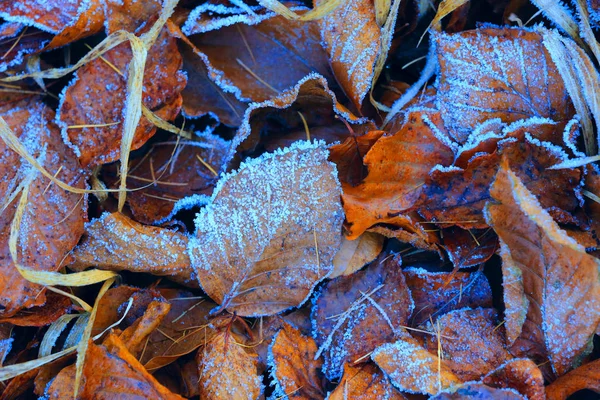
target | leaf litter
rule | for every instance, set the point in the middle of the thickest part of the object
(197, 200)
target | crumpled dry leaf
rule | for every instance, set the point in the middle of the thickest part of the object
(471, 343)
(115, 242)
(258, 60)
(348, 156)
(170, 171)
(97, 96)
(53, 218)
(354, 314)
(520, 374)
(227, 370)
(549, 314)
(436, 293)
(398, 167)
(248, 255)
(585, 377)
(17, 42)
(352, 38)
(479, 391)
(469, 248)
(293, 366)
(136, 336)
(109, 370)
(364, 382)
(413, 369)
(486, 73)
(355, 254)
(56, 305)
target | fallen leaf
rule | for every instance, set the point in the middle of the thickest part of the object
(479, 391)
(136, 336)
(115, 242)
(585, 377)
(53, 219)
(91, 108)
(364, 382)
(520, 374)
(469, 248)
(293, 365)
(551, 293)
(228, 370)
(354, 314)
(276, 264)
(5, 341)
(355, 254)
(257, 61)
(398, 167)
(470, 341)
(348, 156)
(410, 228)
(486, 73)
(413, 369)
(18, 41)
(436, 293)
(56, 305)
(109, 371)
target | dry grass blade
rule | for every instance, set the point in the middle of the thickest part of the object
(586, 29)
(560, 15)
(53, 332)
(445, 8)
(316, 13)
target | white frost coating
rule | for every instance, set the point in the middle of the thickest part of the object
(244, 130)
(43, 6)
(186, 203)
(570, 141)
(278, 392)
(61, 124)
(552, 148)
(441, 136)
(527, 123)
(442, 168)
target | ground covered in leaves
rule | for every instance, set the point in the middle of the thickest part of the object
(345, 199)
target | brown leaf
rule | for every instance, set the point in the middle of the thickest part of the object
(352, 39)
(116, 243)
(17, 42)
(247, 254)
(479, 391)
(56, 305)
(179, 169)
(53, 218)
(355, 254)
(585, 377)
(348, 156)
(471, 343)
(182, 331)
(293, 365)
(354, 314)
(364, 382)
(257, 61)
(136, 336)
(413, 369)
(398, 166)
(435, 293)
(97, 97)
(458, 195)
(469, 248)
(109, 371)
(228, 370)
(551, 288)
(520, 374)
(488, 73)
(409, 228)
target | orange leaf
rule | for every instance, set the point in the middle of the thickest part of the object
(520, 374)
(364, 382)
(355, 254)
(478, 391)
(398, 166)
(56, 305)
(488, 73)
(354, 314)
(247, 254)
(585, 377)
(293, 365)
(551, 287)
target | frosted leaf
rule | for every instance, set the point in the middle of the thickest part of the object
(17, 48)
(355, 254)
(486, 74)
(115, 242)
(557, 278)
(53, 218)
(294, 370)
(585, 377)
(5, 341)
(469, 248)
(271, 231)
(520, 374)
(436, 293)
(227, 370)
(478, 391)
(364, 382)
(354, 314)
(470, 341)
(413, 369)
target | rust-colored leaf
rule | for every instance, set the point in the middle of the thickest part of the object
(469, 248)
(115, 242)
(398, 166)
(552, 292)
(293, 365)
(98, 93)
(364, 382)
(488, 73)
(436, 293)
(247, 255)
(53, 218)
(56, 305)
(355, 254)
(520, 374)
(585, 377)
(479, 391)
(354, 314)
(348, 156)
